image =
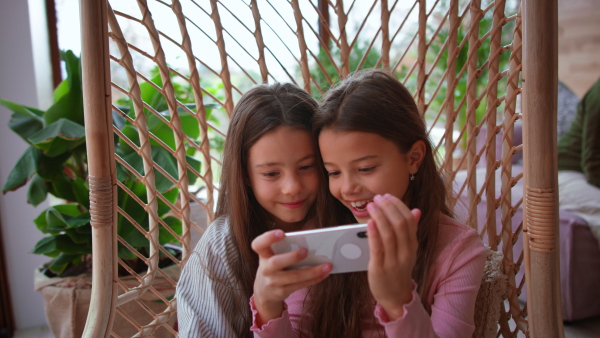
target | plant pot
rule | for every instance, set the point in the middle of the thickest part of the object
(67, 301)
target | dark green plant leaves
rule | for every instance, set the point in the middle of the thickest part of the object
(59, 137)
(165, 160)
(60, 217)
(132, 134)
(81, 192)
(62, 187)
(61, 243)
(56, 164)
(50, 167)
(26, 166)
(62, 261)
(70, 102)
(38, 190)
(25, 121)
(164, 236)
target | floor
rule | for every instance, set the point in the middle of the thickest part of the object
(588, 328)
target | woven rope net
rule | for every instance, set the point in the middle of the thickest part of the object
(178, 68)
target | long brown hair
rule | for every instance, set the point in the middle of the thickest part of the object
(260, 110)
(375, 102)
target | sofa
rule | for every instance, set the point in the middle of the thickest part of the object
(579, 248)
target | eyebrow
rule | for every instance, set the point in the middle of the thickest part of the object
(273, 164)
(368, 157)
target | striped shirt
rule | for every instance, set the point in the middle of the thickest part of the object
(208, 301)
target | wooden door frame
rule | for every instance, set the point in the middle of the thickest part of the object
(7, 321)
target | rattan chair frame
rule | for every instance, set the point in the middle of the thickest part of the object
(531, 77)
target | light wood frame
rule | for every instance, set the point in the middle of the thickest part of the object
(533, 62)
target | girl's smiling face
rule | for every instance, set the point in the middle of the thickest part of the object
(361, 165)
(283, 175)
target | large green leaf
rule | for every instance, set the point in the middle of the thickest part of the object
(59, 217)
(66, 245)
(25, 121)
(122, 173)
(151, 95)
(68, 209)
(131, 207)
(79, 238)
(62, 187)
(132, 134)
(166, 161)
(55, 220)
(163, 158)
(61, 90)
(70, 104)
(59, 137)
(20, 109)
(26, 166)
(38, 190)
(118, 120)
(162, 131)
(189, 124)
(45, 245)
(164, 236)
(81, 192)
(196, 165)
(125, 253)
(171, 196)
(60, 263)
(50, 167)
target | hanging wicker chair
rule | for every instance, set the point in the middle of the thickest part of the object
(161, 78)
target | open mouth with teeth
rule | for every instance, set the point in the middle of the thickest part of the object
(360, 205)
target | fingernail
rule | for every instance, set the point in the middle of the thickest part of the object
(302, 251)
(371, 225)
(279, 234)
(377, 198)
(327, 268)
(371, 207)
(387, 196)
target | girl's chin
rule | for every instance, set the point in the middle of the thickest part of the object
(362, 216)
(362, 219)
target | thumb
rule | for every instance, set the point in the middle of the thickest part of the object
(416, 214)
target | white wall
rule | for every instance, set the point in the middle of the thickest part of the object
(24, 78)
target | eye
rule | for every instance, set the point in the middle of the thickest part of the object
(333, 173)
(270, 174)
(307, 166)
(366, 170)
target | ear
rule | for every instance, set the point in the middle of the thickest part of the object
(416, 155)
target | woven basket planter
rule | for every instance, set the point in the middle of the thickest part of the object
(67, 300)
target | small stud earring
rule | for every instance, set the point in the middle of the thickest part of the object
(412, 177)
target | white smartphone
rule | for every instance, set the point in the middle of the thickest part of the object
(345, 246)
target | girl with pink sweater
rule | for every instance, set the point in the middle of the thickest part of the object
(425, 268)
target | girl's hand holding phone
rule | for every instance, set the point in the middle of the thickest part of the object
(392, 233)
(273, 284)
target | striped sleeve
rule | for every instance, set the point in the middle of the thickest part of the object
(208, 304)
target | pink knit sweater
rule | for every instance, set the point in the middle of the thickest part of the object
(457, 273)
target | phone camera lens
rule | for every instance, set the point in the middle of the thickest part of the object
(362, 234)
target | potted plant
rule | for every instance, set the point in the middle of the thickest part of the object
(55, 164)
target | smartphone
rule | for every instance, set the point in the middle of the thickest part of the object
(346, 247)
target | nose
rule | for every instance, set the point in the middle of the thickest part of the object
(349, 185)
(291, 185)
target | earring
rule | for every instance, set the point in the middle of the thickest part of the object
(412, 177)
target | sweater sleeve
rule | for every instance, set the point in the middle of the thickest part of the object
(278, 327)
(207, 304)
(452, 310)
(590, 157)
